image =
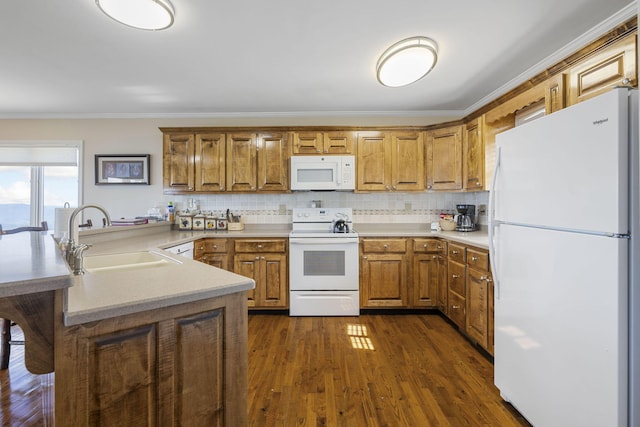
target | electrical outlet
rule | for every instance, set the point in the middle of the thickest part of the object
(282, 210)
(408, 207)
(482, 209)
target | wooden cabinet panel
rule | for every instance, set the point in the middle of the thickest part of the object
(265, 261)
(613, 66)
(338, 142)
(425, 280)
(443, 278)
(477, 313)
(457, 253)
(429, 245)
(199, 369)
(478, 259)
(178, 365)
(178, 163)
(407, 161)
(384, 245)
(457, 274)
(384, 280)
(456, 309)
(210, 161)
(473, 154)
(125, 364)
(444, 158)
(241, 162)
(308, 142)
(212, 251)
(273, 162)
(330, 142)
(373, 161)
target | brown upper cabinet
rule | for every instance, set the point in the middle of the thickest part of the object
(258, 162)
(390, 161)
(473, 155)
(612, 66)
(444, 158)
(178, 169)
(219, 162)
(331, 142)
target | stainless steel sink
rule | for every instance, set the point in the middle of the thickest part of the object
(126, 261)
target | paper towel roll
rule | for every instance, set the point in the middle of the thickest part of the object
(62, 222)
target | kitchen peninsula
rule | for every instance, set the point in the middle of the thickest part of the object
(158, 345)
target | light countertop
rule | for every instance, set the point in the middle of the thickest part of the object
(30, 262)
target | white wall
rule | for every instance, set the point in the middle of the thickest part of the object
(142, 136)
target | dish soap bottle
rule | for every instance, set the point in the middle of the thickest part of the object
(171, 212)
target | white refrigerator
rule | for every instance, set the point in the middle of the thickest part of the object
(563, 240)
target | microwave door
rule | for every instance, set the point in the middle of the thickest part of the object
(315, 176)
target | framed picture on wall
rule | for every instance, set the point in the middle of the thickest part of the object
(122, 168)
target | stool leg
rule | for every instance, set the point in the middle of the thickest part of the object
(5, 348)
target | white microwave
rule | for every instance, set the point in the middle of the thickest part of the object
(323, 173)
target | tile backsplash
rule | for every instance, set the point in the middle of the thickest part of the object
(367, 208)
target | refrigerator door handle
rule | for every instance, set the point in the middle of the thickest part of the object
(492, 227)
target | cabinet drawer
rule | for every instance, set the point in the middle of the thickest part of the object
(260, 246)
(457, 278)
(456, 309)
(384, 245)
(478, 259)
(457, 253)
(429, 245)
(204, 246)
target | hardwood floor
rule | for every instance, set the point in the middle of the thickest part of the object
(372, 370)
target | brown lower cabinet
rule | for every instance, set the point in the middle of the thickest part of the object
(178, 365)
(265, 261)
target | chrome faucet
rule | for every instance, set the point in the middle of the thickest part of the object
(75, 251)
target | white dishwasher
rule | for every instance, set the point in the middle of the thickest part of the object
(183, 249)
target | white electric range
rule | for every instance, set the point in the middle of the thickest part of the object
(323, 263)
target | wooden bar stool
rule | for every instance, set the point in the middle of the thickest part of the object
(5, 324)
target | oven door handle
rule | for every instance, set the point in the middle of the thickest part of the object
(322, 241)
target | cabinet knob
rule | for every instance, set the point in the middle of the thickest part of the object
(215, 246)
(455, 276)
(221, 188)
(386, 187)
(455, 307)
(439, 247)
(317, 150)
(483, 278)
(434, 257)
(257, 258)
(253, 188)
(326, 151)
(394, 187)
(429, 187)
(478, 183)
(474, 258)
(489, 279)
(201, 247)
(261, 257)
(385, 246)
(259, 246)
(626, 81)
(455, 252)
(365, 257)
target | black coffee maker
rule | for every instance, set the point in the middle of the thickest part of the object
(466, 218)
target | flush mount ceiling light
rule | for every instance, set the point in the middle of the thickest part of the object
(141, 14)
(407, 61)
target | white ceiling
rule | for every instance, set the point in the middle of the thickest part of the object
(257, 57)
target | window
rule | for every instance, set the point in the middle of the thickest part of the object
(36, 178)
